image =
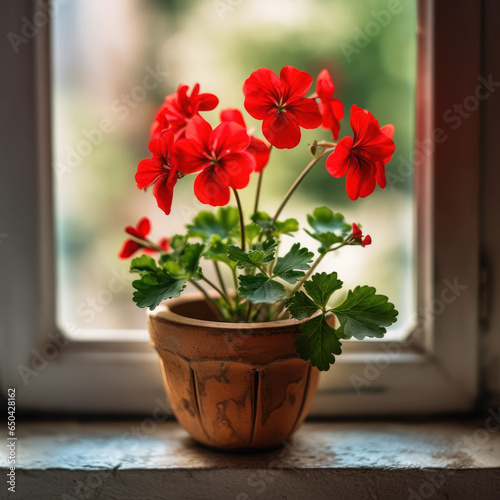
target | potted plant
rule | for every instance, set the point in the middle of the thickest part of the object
(241, 362)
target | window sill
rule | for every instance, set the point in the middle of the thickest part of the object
(124, 460)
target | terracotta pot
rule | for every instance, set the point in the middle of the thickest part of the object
(231, 385)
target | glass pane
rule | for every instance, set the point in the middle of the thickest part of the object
(114, 62)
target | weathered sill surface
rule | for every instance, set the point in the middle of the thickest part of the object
(357, 460)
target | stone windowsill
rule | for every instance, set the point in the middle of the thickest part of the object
(336, 460)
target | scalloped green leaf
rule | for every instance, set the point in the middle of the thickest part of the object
(318, 343)
(259, 289)
(364, 314)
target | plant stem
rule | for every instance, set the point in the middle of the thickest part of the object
(219, 276)
(217, 289)
(147, 243)
(257, 194)
(249, 310)
(315, 265)
(242, 223)
(299, 180)
(211, 302)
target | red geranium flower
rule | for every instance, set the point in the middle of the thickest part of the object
(220, 156)
(159, 170)
(281, 104)
(179, 108)
(140, 231)
(331, 109)
(257, 147)
(362, 157)
(358, 235)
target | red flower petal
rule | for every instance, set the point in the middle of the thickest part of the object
(366, 241)
(339, 161)
(368, 136)
(232, 115)
(128, 249)
(164, 191)
(209, 189)
(143, 227)
(260, 151)
(148, 171)
(164, 243)
(324, 85)
(307, 112)
(332, 112)
(281, 130)
(359, 181)
(262, 90)
(207, 102)
(190, 156)
(380, 175)
(234, 169)
(356, 232)
(159, 150)
(228, 137)
(199, 130)
(296, 83)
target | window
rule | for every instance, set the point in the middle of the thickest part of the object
(101, 110)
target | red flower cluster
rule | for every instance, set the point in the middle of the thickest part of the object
(179, 108)
(358, 235)
(362, 157)
(182, 142)
(219, 155)
(281, 104)
(141, 232)
(257, 147)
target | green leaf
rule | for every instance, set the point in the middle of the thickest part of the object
(364, 314)
(323, 220)
(328, 227)
(290, 266)
(321, 287)
(251, 232)
(154, 288)
(260, 288)
(207, 224)
(190, 259)
(254, 258)
(142, 264)
(264, 220)
(216, 249)
(288, 226)
(300, 306)
(177, 244)
(318, 342)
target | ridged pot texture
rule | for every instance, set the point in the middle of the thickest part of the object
(233, 386)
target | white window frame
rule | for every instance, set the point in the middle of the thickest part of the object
(436, 371)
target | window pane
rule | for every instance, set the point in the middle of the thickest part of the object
(114, 62)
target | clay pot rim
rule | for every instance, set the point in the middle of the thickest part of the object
(164, 312)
